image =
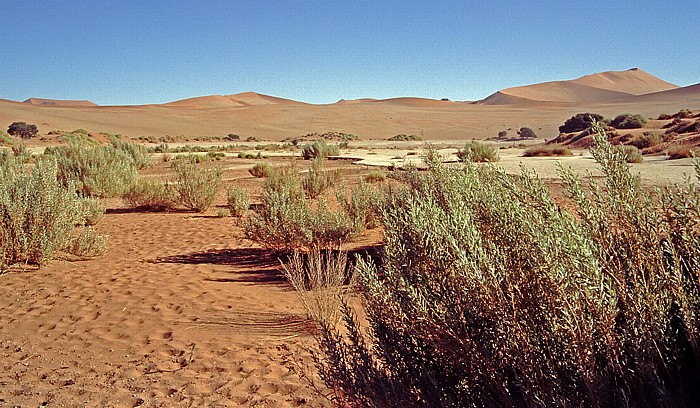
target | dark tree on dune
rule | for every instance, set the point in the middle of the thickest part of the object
(23, 130)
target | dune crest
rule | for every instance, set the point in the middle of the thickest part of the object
(59, 102)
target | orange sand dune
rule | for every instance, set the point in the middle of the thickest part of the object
(600, 87)
(542, 107)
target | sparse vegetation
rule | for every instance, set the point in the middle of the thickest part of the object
(151, 195)
(317, 180)
(364, 206)
(195, 187)
(646, 140)
(139, 154)
(261, 170)
(489, 294)
(319, 149)
(39, 216)
(629, 121)
(95, 171)
(547, 150)
(404, 138)
(631, 154)
(375, 177)
(238, 201)
(478, 152)
(23, 130)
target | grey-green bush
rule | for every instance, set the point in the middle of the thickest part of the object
(489, 294)
(317, 180)
(38, 215)
(195, 187)
(319, 149)
(95, 171)
(629, 121)
(478, 152)
(238, 201)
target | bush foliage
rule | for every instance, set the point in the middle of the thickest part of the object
(629, 121)
(40, 217)
(319, 149)
(478, 152)
(579, 122)
(489, 294)
(195, 187)
(23, 130)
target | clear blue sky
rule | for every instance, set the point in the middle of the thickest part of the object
(150, 51)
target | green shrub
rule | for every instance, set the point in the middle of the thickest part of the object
(489, 294)
(195, 187)
(152, 195)
(629, 121)
(364, 206)
(547, 150)
(646, 140)
(285, 221)
(579, 122)
(38, 215)
(317, 180)
(319, 149)
(6, 140)
(404, 138)
(138, 153)
(478, 152)
(261, 170)
(95, 171)
(238, 201)
(526, 133)
(92, 210)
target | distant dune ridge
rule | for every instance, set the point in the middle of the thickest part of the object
(600, 87)
(542, 107)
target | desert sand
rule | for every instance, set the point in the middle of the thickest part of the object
(183, 310)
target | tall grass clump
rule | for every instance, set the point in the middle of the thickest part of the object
(318, 278)
(38, 215)
(489, 294)
(478, 152)
(547, 150)
(95, 171)
(195, 187)
(287, 221)
(238, 201)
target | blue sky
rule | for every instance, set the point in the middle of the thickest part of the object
(149, 51)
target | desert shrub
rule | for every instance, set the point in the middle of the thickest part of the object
(6, 140)
(375, 177)
(547, 150)
(364, 206)
(317, 180)
(38, 215)
(404, 138)
(86, 243)
(319, 149)
(223, 213)
(579, 122)
(195, 187)
(261, 170)
(285, 221)
(318, 279)
(78, 138)
(23, 130)
(95, 171)
(138, 153)
(232, 137)
(631, 154)
(92, 210)
(682, 152)
(502, 134)
(646, 140)
(526, 133)
(152, 195)
(478, 152)
(629, 121)
(238, 201)
(489, 294)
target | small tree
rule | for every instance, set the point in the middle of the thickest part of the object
(526, 133)
(579, 122)
(502, 134)
(23, 130)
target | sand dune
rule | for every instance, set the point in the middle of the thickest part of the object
(58, 102)
(542, 107)
(600, 87)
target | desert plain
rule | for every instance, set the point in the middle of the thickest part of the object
(183, 310)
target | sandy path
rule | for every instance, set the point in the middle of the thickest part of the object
(180, 312)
